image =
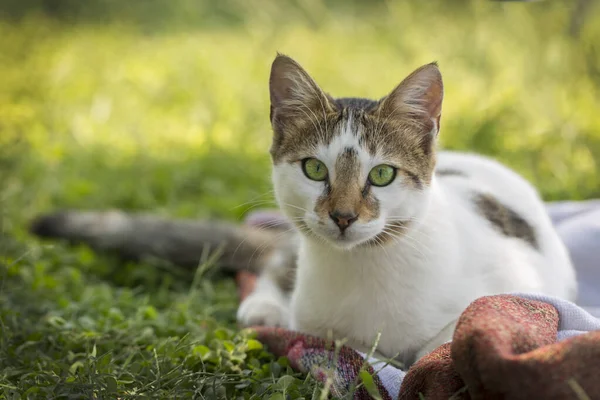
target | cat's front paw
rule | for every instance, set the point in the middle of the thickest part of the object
(262, 310)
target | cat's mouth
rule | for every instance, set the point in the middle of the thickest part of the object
(345, 240)
(371, 234)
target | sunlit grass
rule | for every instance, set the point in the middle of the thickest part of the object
(172, 117)
(515, 88)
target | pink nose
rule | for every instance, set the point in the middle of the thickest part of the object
(343, 220)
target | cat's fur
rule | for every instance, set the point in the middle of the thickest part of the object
(450, 228)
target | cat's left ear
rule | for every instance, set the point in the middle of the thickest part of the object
(417, 100)
(294, 94)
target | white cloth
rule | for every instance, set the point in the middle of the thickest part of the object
(578, 224)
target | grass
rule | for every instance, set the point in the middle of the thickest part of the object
(161, 108)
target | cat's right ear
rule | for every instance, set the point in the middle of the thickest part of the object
(294, 94)
(417, 100)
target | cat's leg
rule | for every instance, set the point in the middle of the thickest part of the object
(267, 305)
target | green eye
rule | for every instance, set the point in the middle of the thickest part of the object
(382, 175)
(314, 169)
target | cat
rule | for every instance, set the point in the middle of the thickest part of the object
(393, 238)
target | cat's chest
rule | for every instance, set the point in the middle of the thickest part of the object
(359, 298)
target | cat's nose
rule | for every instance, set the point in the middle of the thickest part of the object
(343, 220)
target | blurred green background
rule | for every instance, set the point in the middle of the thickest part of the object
(162, 105)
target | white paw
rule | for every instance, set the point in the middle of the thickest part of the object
(260, 309)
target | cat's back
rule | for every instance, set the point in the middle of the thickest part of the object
(485, 184)
(508, 211)
(468, 171)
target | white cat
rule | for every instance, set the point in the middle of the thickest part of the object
(395, 238)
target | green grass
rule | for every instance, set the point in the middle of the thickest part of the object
(164, 109)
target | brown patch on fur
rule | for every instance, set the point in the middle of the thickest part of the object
(346, 194)
(505, 219)
(299, 139)
(399, 142)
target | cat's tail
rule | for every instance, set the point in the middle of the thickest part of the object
(182, 242)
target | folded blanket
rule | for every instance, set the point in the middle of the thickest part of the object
(505, 346)
(516, 346)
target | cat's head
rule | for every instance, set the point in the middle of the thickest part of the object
(353, 171)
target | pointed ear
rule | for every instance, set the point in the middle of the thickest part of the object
(417, 100)
(294, 94)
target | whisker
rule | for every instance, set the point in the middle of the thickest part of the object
(260, 204)
(263, 247)
(256, 198)
(411, 242)
(296, 207)
(265, 227)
